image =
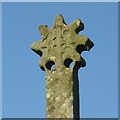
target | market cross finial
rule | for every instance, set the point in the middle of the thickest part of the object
(59, 47)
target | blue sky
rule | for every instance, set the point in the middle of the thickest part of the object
(24, 83)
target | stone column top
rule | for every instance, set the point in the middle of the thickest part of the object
(61, 45)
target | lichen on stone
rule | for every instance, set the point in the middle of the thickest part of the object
(60, 46)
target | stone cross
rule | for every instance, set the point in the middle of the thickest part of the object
(60, 47)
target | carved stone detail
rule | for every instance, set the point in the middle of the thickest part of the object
(60, 46)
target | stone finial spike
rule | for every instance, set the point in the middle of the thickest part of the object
(60, 46)
(43, 30)
(77, 26)
(59, 20)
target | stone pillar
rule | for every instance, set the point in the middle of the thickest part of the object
(59, 47)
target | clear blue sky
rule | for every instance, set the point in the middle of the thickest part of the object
(23, 81)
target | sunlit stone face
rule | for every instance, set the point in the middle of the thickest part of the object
(60, 49)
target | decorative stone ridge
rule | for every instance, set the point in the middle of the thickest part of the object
(59, 47)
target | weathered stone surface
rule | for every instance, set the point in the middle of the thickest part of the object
(60, 46)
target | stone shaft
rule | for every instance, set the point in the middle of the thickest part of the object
(60, 46)
(59, 94)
